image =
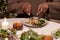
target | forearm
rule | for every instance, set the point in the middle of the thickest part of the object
(55, 5)
(11, 1)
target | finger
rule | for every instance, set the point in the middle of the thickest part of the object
(44, 10)
(28, 13)
(39, 11)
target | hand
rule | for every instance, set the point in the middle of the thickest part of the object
(42, 8)
(27, 8)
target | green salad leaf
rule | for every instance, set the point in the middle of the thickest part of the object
(30, 35)
(40, 22)
(13, 31)
(58, 33)
(5, 34)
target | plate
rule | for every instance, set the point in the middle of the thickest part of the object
(36, 25)
(56, 33)
(31, 35)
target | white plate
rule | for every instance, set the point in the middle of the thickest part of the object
(35, 26)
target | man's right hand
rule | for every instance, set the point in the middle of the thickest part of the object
(42, 8)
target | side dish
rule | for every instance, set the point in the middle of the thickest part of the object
(18, 26)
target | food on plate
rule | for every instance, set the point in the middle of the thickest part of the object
(47, 37)
(18, 25)
(57, 34)
(12, 34)
(2, 38)
(32, 21)
(13, 31)
(6, 34)
(40, 22)
(13, 37)
(30, 35)
(36, 22)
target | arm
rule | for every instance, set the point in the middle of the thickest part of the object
(11, 1)
(54, 5)
(20, 7)
(51, 5)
